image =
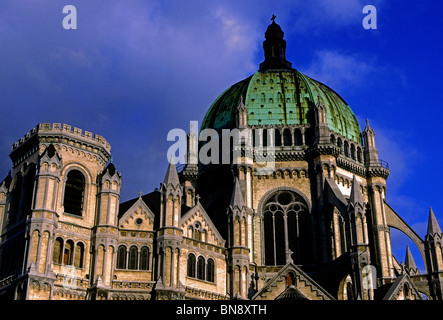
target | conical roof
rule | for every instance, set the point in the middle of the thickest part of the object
(171, 176)
(356, 196)
(433, 226)
(409, 260)
(237, 197)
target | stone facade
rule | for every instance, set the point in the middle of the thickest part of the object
(316, 226)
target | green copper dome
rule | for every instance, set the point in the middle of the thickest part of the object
(279, 95)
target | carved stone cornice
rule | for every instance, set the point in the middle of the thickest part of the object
(378, 171)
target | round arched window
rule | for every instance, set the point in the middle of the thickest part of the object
(286, 224)
(74, 193)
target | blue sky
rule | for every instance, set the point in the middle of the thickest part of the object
(133, 70)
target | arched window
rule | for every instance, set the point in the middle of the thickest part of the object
(286, 224)
(340, 145)
(74, 193)
(68, 252)
(144, 258)
(277, 138)
(197, 231)
(133, 258)
(290, 279)
(298, 141)
(349, 291)
(352, 151)
(346, 149)
(57, 253)
(359, 157)
(121, 257)
(201, 268)
(78, 255)
(210, 270)
(287, 137)
(191, 265)
(265, 137)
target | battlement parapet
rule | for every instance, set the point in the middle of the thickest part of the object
(67, 130)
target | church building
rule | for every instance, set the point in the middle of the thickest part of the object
(314, 226)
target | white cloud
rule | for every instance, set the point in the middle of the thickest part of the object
(339, 70)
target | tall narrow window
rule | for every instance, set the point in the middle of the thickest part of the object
(346, 149)
(269, 237)
(298, 140)
(133, 258)
(201, 268)
(277, 138)
(286, 225)
(197, 231)
(144, 258)
(121, 257)
(191, 265)
(78, 255)
(57, 253)
(287, 137)
(67, 253)
(74, 193)
(210, 270)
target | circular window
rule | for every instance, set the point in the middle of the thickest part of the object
(138, 221)
(284, 198)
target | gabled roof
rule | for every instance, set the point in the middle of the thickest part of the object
(334, 195)
(152, 200)
(199, 207)
(139, 202)
(290, 267)
(398, 285)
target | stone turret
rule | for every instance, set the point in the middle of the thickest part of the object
(237, 243)
(169, 237)
(433, 245)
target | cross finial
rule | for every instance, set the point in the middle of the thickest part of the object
(197, 197)
(273, 18)
(140, 193)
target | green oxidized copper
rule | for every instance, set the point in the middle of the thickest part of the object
(281, 97)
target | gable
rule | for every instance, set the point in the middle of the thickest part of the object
(198, 216)
(403, 289)
(137, 217)
(306, 287)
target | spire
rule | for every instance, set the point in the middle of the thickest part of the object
(356, 196)
(110, 168)
(171, 174)
(409, 262)
(275, 48)
(237, 197)
(433, 227)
